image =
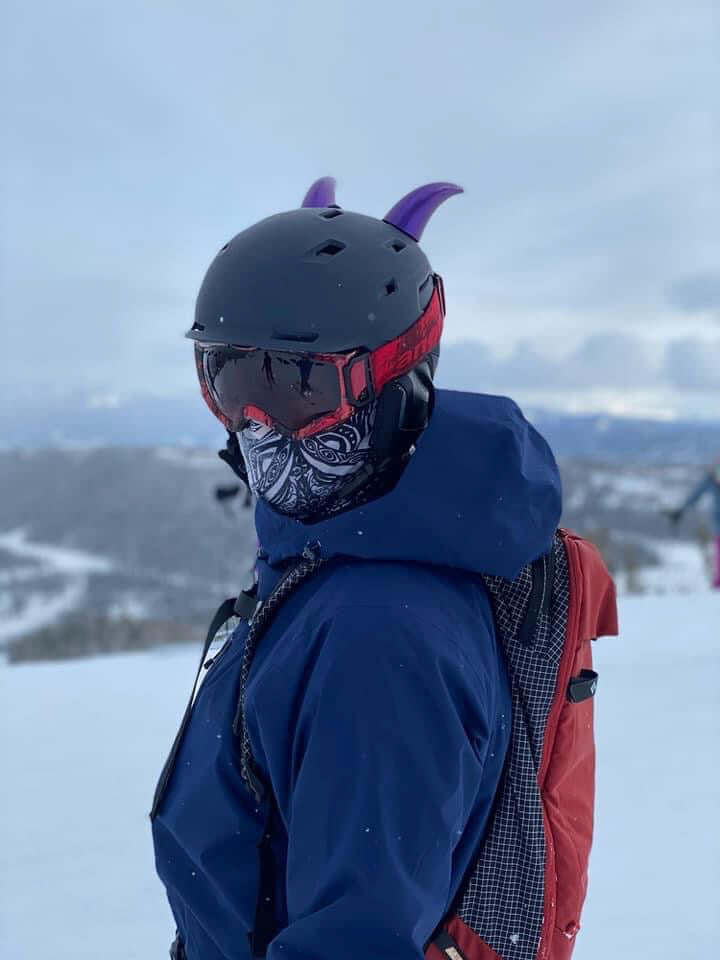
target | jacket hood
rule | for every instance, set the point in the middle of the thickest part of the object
(481, 493)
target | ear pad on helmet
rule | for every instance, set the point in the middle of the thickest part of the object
(404, 409)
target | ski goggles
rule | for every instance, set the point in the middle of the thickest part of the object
(302, 394)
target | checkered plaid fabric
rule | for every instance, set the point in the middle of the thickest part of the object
(503, 898)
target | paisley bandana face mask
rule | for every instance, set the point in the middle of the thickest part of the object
(301, 476)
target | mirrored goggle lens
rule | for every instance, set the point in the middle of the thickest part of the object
(292, 389)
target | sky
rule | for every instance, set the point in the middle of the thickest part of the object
(582, 264)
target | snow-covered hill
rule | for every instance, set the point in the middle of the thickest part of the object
(88, 421)
(112, 534)
(83, 741)
(137, 536)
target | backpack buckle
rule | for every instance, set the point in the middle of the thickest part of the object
(583, 686)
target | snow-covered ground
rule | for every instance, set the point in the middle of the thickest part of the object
(44, 606)
(83, 741)
(57, 559)
(685, 568)
(627, 486)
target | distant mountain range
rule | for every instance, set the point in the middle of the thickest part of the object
(119, 548)
(92, 422)
(624, 440)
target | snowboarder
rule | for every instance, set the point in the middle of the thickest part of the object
(329, 786)
(710, 484)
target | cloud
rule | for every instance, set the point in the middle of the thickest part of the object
(696, 293)
(693, 365)
(141, 136)
(611, 359)
(605, 360)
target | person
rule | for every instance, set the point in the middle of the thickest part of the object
(708, 485)
(375, 711)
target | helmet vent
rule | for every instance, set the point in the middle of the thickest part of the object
(390, 287)
(397, 245)
(330, 249)
(331, 213)
(198, 326)
(295, 337)
(424, 286)
(224, 247)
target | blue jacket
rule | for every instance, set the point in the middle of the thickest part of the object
(709, 484)
(378, 707)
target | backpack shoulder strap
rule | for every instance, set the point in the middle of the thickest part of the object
(241, 606)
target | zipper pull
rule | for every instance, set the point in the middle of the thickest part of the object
(311, 551)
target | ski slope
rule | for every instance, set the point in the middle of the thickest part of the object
(82, 743)
(44, 606)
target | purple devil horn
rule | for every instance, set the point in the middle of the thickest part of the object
(321, 193)
(411, 214)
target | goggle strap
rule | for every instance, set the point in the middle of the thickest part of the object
(400, 355)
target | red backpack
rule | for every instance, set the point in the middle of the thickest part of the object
(523, 896)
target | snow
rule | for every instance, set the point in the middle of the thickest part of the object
(654, 880)
(40, 607)
(83, 742)
(82, 745)
(181, 457)
(685, 568)
(54, 559)
(624, 487)
(129, 606)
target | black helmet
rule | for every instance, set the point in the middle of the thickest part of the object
(321, 278)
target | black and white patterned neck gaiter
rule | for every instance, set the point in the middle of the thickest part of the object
(301, 478)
